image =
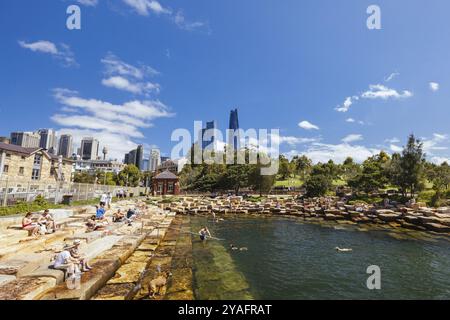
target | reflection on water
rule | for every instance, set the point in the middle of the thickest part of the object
(287, 259)
(215, 274)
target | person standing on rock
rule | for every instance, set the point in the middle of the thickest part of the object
(103, 199)
(204, 234)
(108, 200)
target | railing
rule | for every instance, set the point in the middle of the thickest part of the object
(13, 191)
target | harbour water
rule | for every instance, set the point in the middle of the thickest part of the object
(290, 259)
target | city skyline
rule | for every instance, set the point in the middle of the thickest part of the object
(331, 95)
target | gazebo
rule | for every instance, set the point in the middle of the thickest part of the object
(166, 183)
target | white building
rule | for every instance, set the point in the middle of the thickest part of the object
(155, 159)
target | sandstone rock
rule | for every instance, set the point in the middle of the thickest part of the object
(389, 217)
(437, 227)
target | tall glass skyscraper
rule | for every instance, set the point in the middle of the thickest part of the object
(208, 135)
(234, 139)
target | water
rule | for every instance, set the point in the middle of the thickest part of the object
(289, 259)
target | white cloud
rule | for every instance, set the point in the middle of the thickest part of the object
(115, 66)
(126, 77)
(435, 143)
(440, 160)
(320, 152)
(116, 122)
(144, 7)
(434, 86)
(347, 104)
(391, 76)
(63, 53)
(89, 3)
(376, 91)
(40, 46)
(395, 148)
(350, 120)
(352, 138)
(379, 91)
(122, 83)
(393, 140)
(308, 125)
(182, 23)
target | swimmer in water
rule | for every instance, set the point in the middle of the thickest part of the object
(204, 233)
(343, 249)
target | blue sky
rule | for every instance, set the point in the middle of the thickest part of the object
(138, 69)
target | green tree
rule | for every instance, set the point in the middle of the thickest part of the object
(302, 166)
(350, 169)
(317, 185)
(440, 176)
(407, 170)
(285, 168)
(373, 175)
(129, 176)
(259, 182)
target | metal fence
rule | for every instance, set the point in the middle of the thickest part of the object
(12, 192)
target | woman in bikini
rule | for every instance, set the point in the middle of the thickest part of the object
(28, 224)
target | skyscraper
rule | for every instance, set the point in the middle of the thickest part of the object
(48, 140)
(208, 135)
(89, 149)
(233, 138)
(136, 157)
(155, 159)
(26, 139)
(140, 157)
(65, 146)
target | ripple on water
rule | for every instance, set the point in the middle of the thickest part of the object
(290, 259)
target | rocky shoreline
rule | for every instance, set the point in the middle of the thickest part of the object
(415, 217)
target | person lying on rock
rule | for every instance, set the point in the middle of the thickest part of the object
(30, 226)
(47, 220)
(76, 254)
(92, 224)
(65, 262)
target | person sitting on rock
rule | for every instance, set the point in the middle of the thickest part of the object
(28, 224)
(131, 214)
(76, 254)
(47, 220)
(100, 214)
(119, 216)
(92, 224)
(65, 262)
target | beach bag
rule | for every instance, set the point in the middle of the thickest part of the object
(42, 230)
(74, 282)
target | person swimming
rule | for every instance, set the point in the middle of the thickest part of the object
(343, 249)
(204, 233)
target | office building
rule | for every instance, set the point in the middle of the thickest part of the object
(155, 159)
(48, 140)
(65, 146)
(26, 139)
(234, 138)
(89, 149)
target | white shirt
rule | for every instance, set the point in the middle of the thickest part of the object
(61, 258)
(103, 198)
